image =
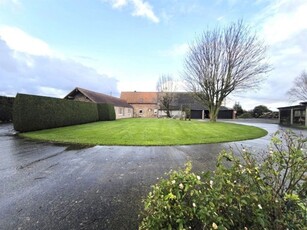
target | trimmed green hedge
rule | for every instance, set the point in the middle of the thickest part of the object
(106, 112)
(36, 112)
(6, 109)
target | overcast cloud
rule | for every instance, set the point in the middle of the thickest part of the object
(47, 75)
(51, 48)
(284, 29)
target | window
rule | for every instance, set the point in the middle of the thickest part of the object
(140, 111)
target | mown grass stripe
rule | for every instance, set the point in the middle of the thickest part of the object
(144, 132)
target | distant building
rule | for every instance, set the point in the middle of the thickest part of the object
(146, 104)
(293, 115)
(185, 100)
(122, 108)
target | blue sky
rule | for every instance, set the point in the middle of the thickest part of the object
(48, 47)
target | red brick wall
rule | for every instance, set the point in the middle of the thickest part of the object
(145, 110)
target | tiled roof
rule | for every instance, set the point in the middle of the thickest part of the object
(140, 97)
(99, 97)
(187, 99)
(180, 99)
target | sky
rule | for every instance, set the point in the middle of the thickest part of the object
(49, 47)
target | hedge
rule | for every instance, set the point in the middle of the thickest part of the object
(106, 112)
(32, 113)
(6, 108)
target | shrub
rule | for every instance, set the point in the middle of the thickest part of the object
(106, 112)
(246, 115)
(242, 193)
(6, 108)
(36, 112)
(172, 202)
(112, 115)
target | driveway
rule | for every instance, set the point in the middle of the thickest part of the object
(48, 186)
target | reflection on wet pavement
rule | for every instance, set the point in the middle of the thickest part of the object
(47, 186)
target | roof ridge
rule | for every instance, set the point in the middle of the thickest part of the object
(86, 94)
(98, 97)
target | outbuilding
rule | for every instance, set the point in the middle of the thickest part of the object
(183, 100)
(121, 107)
(293, 115)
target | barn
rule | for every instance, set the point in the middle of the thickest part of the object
(122, 108)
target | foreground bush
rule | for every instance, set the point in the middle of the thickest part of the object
(242, 193)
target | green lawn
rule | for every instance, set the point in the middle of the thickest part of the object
(148, 132)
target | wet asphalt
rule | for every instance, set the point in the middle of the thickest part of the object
(48, 186)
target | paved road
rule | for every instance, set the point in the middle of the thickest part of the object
(47, 186)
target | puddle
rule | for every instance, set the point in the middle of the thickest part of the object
(72, 147)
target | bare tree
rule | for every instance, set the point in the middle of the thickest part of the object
(299, 88)
(166, 86)
(222, 61)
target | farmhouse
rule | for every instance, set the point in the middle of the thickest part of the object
(293, 115)
(122, 108)
(146, 104)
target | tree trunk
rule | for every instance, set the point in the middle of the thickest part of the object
(168, 114)
(213, 112)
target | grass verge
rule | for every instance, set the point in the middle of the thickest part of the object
(148, 132)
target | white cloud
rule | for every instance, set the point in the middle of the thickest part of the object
(118, 3)
(20, 41)
(140, 8)
(144, 9)
(284, 19)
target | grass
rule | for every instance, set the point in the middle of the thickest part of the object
(148, 132)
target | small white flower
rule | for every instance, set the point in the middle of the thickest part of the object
(198, 177)
(271, 152)
(259, 206)
(194, 205)
(173, 181)
(181, 186)
(243, 150)
(211, 183)
(214, 226)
